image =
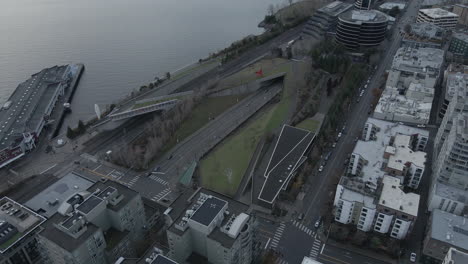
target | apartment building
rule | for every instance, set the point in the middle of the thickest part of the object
(94, 226)
(362, 4)
(211, 225)
(455, 256)
(369, 195)
(459, 44)
(445, 231)
(424, 35)
(438, 16)
(18, 229)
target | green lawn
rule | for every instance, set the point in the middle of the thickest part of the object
(193, 68)
(140, 105)
(210, 107)
(309, 124)
(222, 170)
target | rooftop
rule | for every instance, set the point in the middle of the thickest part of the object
(48, 201)
(461, 35)
(421, 60)
(353, 192)
(285, 159)
(437, 13)
(457, 86)
(225, 231)
(450, 192)
(335, 8)
(426, 32)
(26, 107)
(160, 259)
(16, 222)
(449, 228)
(456, 256)
(210, 208)
(364, 16)
(373, 150)
(402, 154)
(393, 197)
(390, 5)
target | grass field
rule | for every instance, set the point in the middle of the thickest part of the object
(309, 124)
(190, 69)
(140, 105)
(222, 170)
(210, 107)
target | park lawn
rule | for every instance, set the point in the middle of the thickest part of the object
(140, 105)
(268, 66)
(209, 107)
(190, 69)
(309, 124)
(222, 170)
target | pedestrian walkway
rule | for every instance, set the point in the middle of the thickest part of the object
(161, 195)
(133, 181)
(303, 228)
(157, 179)
(278, 233)
(281, 261)
(314, 252)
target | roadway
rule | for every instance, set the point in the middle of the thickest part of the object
(318, 193)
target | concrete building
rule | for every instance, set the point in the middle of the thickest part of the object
(388, 156)
(387, 210)
(455, 256)
(387, 6)
(95, 226)
(18, 228)
(361, 28)
(450, 169)
(210, 225)
(462, 12)
(325, 19)
(362, 4)
(28, 109)
(424, 35)
(446, 231)
(437, 16)
(409, 90)
(459, 44)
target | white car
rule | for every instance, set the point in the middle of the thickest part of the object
(421, 125)
(334, 144)
(321, 168)
(317, 223)
(339, 135)
(413, 257)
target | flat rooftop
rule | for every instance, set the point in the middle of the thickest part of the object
(373, 150)
(457, 256)
(289, 150)
(450, 192)
(461, 35)
(335, 8)
(206, 213)
(418, 59)
(390, 5)
(16, 222)
(364, 16)
(437, 13)
(457, 86)
(160, 259)
(426, 32)
(48, 201)
(26, 107)
(449, 228)
(392, 196)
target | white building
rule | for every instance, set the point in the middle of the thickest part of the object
(388, 155)
(455, 256)
(211, 225)
(437, 16)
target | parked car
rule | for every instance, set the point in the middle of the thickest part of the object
(301, 216)
(317, 223)
(334, 144)
(413, 257)
(421, 125)
(340, 134)
(320, 168)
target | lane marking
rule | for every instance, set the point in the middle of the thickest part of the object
(48, 168)
(267, 243)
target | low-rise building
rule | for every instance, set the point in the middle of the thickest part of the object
(438, 16)
(387, 6)
(96, 226)
(462, 12)
(446, 231)
(409, 90)
(424, 35)
(455, 256)
(210, 225)
(18, 229)
(325, 19)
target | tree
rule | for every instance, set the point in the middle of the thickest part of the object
(81, 127)
(168, 75)
(407, 28)
(290, 2)
(70, 133)
(394, 11)
(271, 9)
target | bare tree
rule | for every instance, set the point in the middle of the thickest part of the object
(271, 9)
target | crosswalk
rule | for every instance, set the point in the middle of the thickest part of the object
(133, 181)
(278, 233)
(157, 179)
(303, 228)
(160, 195)
(314, 252)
